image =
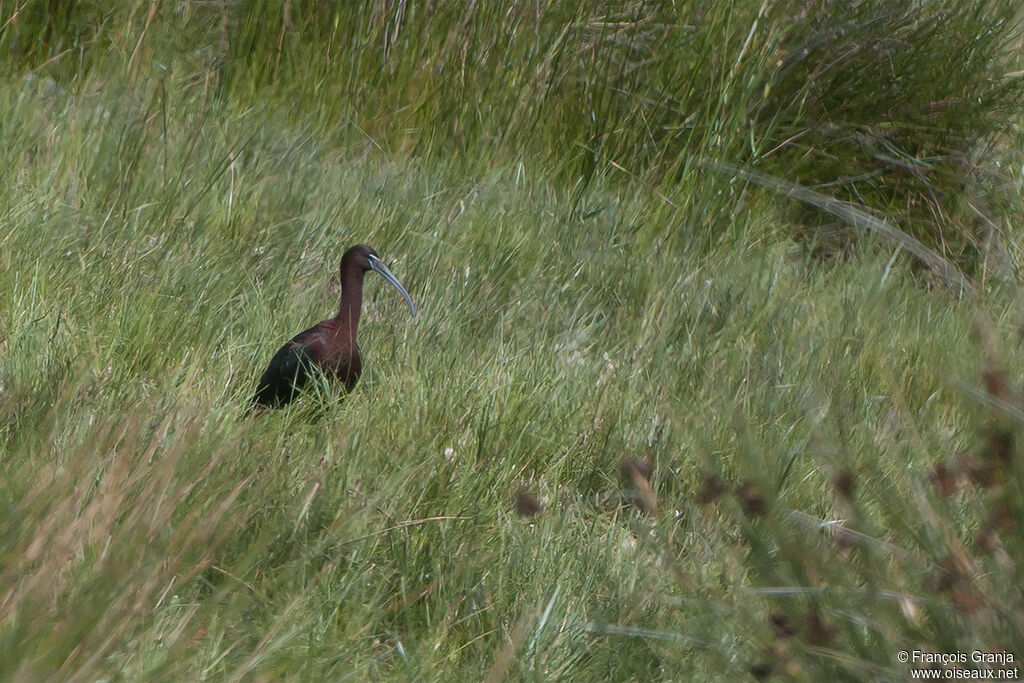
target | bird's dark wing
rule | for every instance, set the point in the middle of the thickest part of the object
(284, 377)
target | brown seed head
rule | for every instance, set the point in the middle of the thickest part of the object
(630, 468)
(844, 547)
(714, 487)
(782, 627)
(1002, 517)
(637, 473)
(949, 573)
(981, 473)
(967, 600)
(844, 483)
(527, 504)
(819, 631)
(996, 384)
(751, 500)
(986, 540)
(999, 446)
(943, 479)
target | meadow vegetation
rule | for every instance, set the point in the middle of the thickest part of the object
(716, 372)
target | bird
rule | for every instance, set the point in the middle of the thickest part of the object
(330, 345)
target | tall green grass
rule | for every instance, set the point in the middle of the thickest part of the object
(745, 460)
(842, 97)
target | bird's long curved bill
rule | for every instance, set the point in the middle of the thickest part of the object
(376, 264)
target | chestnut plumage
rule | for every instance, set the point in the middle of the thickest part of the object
(329, 345)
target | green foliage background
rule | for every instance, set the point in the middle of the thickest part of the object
(830, 430)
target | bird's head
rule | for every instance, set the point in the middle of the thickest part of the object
(365, 257)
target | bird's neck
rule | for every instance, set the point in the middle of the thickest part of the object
(351, 299)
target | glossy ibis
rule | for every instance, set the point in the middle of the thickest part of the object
(329, 345)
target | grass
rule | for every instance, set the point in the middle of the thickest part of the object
(747, 459)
